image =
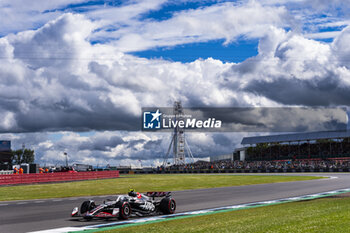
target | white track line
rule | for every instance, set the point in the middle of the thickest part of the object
(61, 230)
(21, 203)
(39, 201)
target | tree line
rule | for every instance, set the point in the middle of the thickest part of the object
(22, 156)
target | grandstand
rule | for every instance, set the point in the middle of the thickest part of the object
(314, 145)
(298, 152)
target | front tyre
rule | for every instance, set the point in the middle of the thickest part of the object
(87, 206)
(124, 211)
(167, 205)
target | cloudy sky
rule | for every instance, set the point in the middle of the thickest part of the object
(74, 74)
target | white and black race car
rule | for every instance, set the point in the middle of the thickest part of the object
(131, 205)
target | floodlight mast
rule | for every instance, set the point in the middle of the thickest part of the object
(178, 141)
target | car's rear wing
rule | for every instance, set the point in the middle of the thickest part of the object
(158, 194)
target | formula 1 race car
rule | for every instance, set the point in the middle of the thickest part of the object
(131, 205)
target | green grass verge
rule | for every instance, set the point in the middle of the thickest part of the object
(141, 183)
(320, 215)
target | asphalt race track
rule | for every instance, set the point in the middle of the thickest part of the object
(34, 215)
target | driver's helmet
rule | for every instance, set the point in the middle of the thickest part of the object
(132, 193)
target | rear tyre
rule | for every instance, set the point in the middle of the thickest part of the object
(124, 211)
(87, 206)
(167, 205)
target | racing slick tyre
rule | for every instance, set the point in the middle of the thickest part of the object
(167, 205)
(87, 206)
(124, 211)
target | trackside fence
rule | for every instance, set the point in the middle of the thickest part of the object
(6, 172)
(55, 177)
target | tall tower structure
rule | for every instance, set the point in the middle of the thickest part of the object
(178, 141)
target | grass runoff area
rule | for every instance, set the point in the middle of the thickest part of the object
(330, 214)
(142, 183)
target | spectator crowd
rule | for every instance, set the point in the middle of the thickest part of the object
(265, 165)
(283, 151)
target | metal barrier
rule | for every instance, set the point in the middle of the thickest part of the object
(6, 172)
(55, 177)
